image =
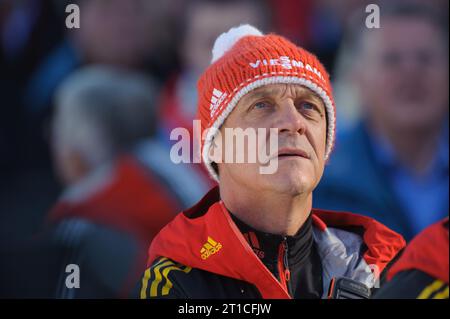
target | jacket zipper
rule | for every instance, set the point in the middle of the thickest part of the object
(283, 266)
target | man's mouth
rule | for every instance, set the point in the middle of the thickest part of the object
(292, 153)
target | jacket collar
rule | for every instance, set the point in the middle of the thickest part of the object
(267, 246)
(206, 237)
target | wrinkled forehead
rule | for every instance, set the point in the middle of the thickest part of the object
(280, 91)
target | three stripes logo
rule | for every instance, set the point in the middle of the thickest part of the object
(436, 290)
(209, 248)
(216, 99)
(156, 281)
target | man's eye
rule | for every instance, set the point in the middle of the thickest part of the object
(262, 105)
(306, 106)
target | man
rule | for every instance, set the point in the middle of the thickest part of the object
(422, 270)
(393, 165)
(101, 114)
(256, 235)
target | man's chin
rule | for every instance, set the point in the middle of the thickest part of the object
(285, 182)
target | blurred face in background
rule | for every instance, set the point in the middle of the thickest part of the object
(205, 22)
(403, 75)
(118, 32)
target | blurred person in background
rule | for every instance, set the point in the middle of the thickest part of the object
(351, 14)
(202, 22)
(121, 33)
(393, 164)
(118, 190)
(315, 24)
(37, 52)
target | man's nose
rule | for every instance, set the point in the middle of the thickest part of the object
(289, 119)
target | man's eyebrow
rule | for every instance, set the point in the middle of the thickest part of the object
(313, 96)
(261, 93)
(300, 92)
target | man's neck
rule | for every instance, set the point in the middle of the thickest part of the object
(272, 213)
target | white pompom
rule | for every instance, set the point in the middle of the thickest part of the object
(226, 40)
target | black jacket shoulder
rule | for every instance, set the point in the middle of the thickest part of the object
(167, 279)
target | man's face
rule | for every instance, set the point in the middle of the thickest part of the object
(403, 74)
(117, 32)
(299, 117)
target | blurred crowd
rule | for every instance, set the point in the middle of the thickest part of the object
(85, 170)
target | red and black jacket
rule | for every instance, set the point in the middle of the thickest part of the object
(122, 205)
(202, 253)
(422, 270)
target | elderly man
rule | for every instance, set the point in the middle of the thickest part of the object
(256, 235)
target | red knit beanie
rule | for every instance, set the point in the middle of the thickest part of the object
(244, 59)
